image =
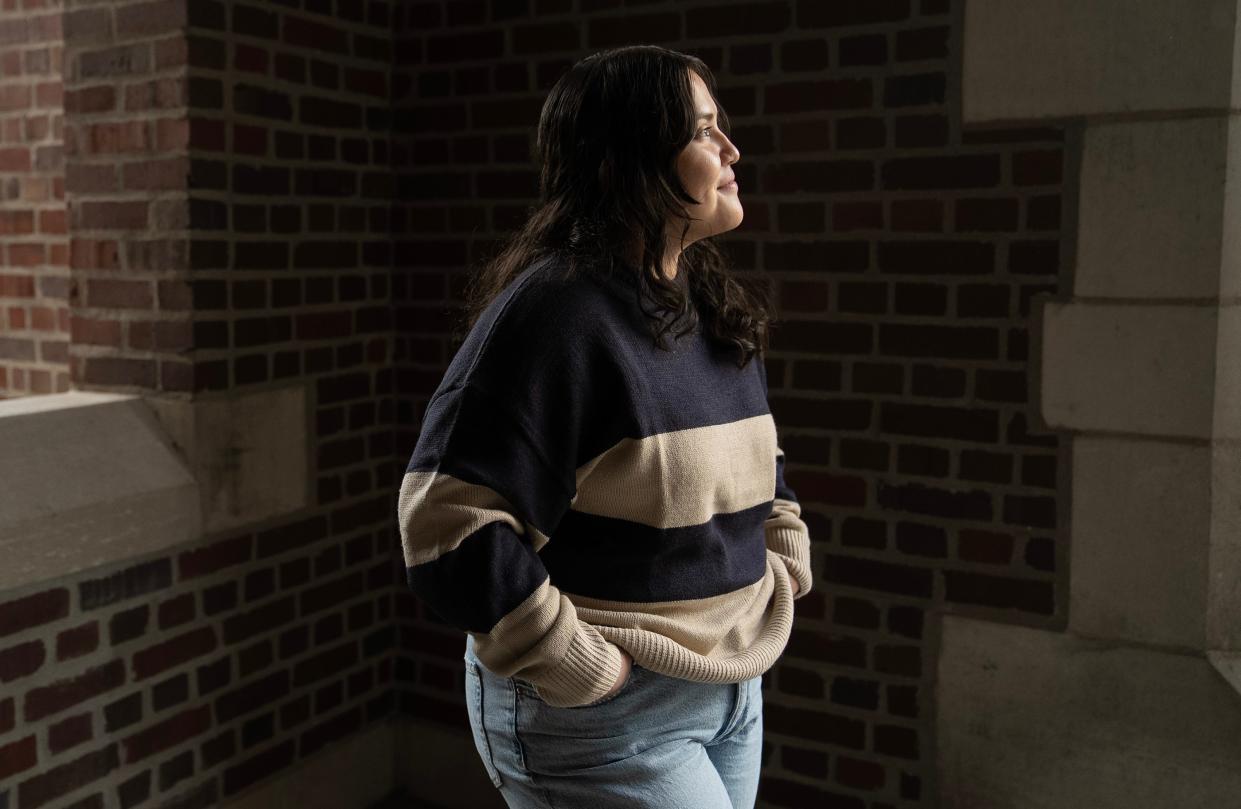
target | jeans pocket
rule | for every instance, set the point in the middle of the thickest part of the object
(625, 688)
(474, 707)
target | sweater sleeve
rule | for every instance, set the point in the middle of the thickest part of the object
(493, 472)
(785, 532)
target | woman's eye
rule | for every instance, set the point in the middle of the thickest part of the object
(708, 129)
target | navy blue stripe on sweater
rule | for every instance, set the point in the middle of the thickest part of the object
(621, 560)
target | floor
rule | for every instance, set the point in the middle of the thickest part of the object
(402, 801)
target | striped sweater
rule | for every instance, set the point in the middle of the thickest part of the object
(575, 489)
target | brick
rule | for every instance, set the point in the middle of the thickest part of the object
(1034, 257)
(820, 176)
(215, 557)
(176, 769)
(176, 611)
(215, 675)
(854, 692)
(943, 172)
(18, 756)
(33, 610)
(876, 575)
(325, 664)
(1043, 213)
(77, 641)
(852, 772)
(68, 777)
(135, 790)
(220, 598)
(239, 628)
(171, 653)
(13, 348)
(91, 331)
(131, 582)
(119, 371)
(987, 214)
(1000, 592)
(252, 696)
(816, 726)
(21, 660)
(810, 96)
(14, 223)
(800, 682)
(901, 660)
(1040, 554)
(804, 54)
(128, 624)
(66, 693)
(120, 294)
(1032, 511)
(926, 257)
(148, 19)
(479, 45)
(544, 38)
(616, 31)
(315, 35)
(166, 734)
(112, 215)
(816, 14)
(743, 19)
(8, 715)
(171, 691)
(69, 733)
(810, 763)
(897, 741)
(219, 748)
(15, 159)
(1041, 167)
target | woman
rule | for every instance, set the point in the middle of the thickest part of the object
(605, 515)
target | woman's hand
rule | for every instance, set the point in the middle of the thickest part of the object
(626, 665)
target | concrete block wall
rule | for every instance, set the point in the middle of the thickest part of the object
(906, 257)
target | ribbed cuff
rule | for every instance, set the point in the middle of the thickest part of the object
(793, 547)
(587, 672)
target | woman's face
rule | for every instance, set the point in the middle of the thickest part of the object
(705, 169)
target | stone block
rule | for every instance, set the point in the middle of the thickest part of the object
(1056, 59)
(1151, 214)
(1122, 368)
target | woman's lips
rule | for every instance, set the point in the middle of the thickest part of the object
(731, 185)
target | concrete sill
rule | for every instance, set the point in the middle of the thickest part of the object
(1228, 664)
(87, 479)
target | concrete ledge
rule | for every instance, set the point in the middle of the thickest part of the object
(88, 479)
(249, 452)
(1030, 719)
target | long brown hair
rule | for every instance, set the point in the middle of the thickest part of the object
(608, 138)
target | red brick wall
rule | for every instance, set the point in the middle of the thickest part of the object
(229, 186)
(197, 674)
(34, 253)
(271, 193)
(903, 252)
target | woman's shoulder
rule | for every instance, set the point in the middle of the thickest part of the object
(547, 300)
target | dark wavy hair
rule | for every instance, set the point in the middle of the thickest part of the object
(608, 139)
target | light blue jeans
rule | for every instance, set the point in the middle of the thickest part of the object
(658, 743)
